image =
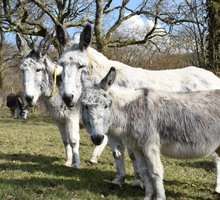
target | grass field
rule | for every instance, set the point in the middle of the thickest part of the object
(32, 158)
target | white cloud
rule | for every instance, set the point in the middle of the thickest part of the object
(136, 28)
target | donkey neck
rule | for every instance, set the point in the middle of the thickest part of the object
(126, 104)
(54, 104)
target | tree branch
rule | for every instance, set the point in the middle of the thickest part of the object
(43, 7)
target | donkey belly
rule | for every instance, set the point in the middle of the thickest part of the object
(187, 151)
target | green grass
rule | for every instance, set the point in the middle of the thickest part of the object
(32, 167)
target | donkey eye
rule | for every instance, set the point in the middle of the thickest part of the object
(106, 106)
(38, 70)
(81, 66)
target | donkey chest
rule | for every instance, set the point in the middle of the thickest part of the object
(128, 139)
(58, 111)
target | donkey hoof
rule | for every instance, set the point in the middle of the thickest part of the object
(217, 189)
(138, 183)
(68, 164)
(76, 166)
(118, 181)
(93, 161)
(161, 197)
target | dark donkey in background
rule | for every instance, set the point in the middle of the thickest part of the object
(17, 105)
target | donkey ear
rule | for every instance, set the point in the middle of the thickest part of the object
(22, 44)
(62, 35)
(85, 37)
(44, 45)
(109, 79)
(85, 79)
(51, 65)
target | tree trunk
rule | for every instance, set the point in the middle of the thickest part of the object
(1, 58)
(213, 38)
(98, 26)
(2, 40)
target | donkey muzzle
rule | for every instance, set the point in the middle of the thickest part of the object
(97, 139)
(68, 100)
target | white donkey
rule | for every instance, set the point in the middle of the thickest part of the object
(83, 57)
(40, 79)
(150, 122)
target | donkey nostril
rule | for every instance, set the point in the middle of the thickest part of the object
(29, 98)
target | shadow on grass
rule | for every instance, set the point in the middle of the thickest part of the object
(102, 187)
(207, 165)
(91, 178)
(29, 158)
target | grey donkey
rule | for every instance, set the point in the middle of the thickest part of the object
(182, 125)
(40, 80)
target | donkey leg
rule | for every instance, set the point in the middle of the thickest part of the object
(75, 148)
(72, 129)
(98, 151)
(69, 154)
(155, 167)
(118, 153)
(12, 112)
(68, 149)
(216, 159)
(16, 113)
(144, 174)
(137, 180)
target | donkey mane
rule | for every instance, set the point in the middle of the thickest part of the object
(33, 54)
(123, 96)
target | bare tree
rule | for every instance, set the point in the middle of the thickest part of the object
(38, 17)
(168, 13)
(194, 34)
(106, 39)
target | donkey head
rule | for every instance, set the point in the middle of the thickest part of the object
(96, 105)
(35, 67)
(73, 62)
